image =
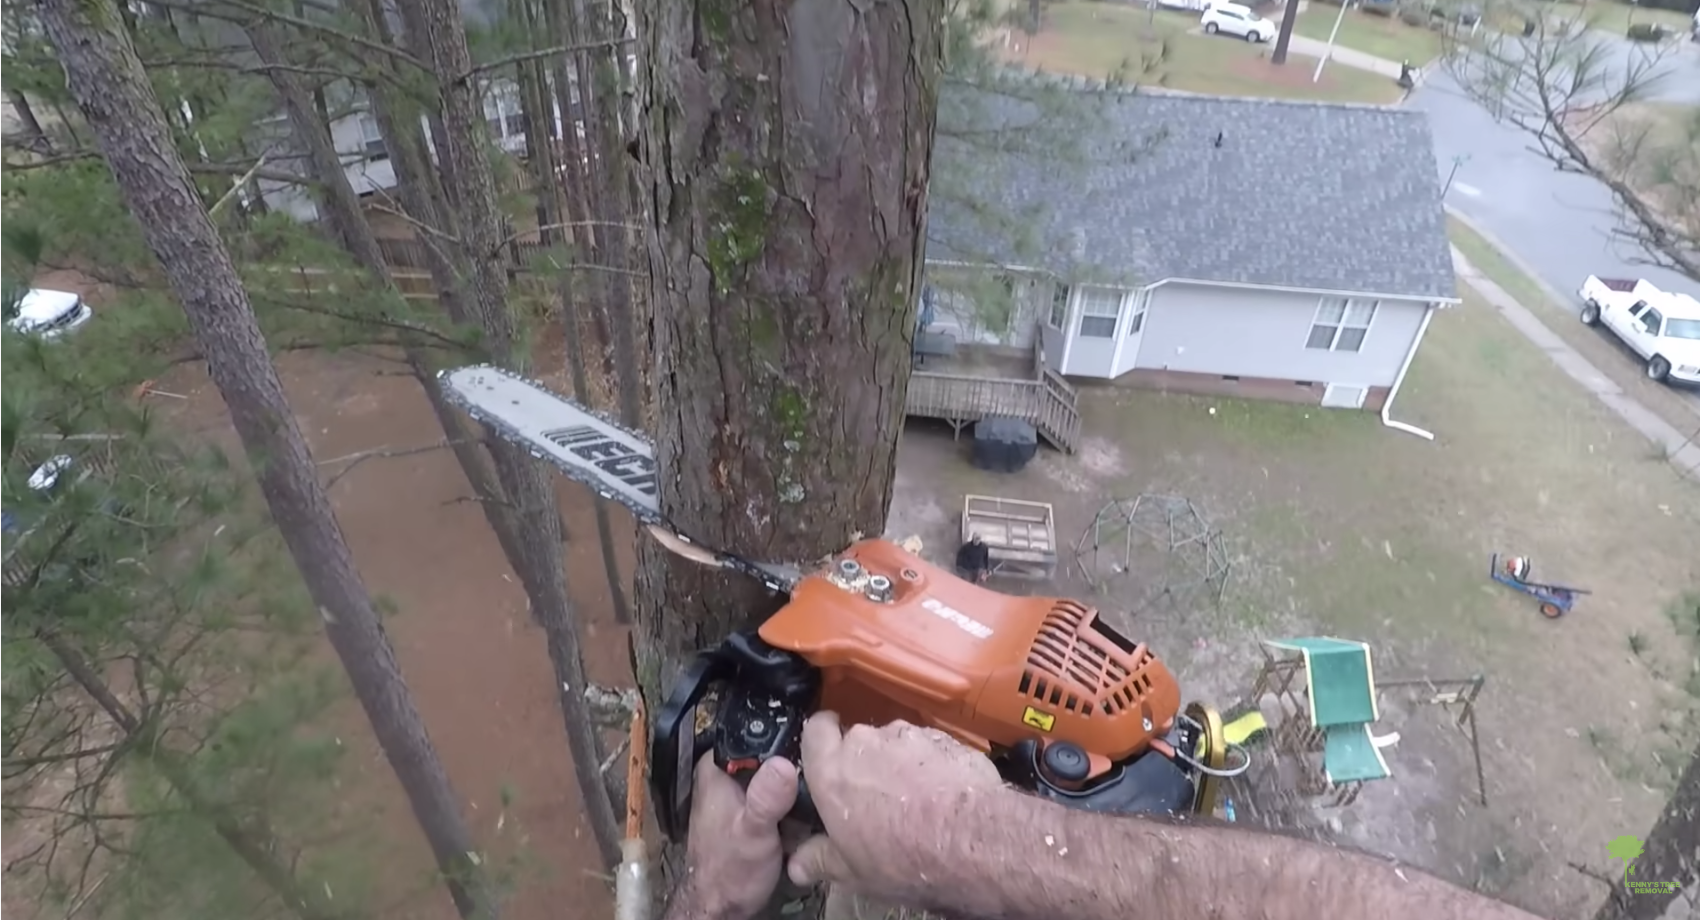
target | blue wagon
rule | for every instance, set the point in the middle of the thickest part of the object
(1555, 600)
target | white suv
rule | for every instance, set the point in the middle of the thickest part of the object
(1240, 21)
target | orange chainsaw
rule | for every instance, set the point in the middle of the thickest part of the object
(1067, 707)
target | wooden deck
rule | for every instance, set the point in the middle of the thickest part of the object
(979, 383)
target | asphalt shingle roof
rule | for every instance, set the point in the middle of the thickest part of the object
(1330, 197)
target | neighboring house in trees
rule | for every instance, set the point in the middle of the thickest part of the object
(1254, 247)
(361, 146)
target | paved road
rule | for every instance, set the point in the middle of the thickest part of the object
(1559, 224)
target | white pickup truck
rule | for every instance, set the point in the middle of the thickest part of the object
(1663, 327)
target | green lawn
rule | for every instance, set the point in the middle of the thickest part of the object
(1560, 315)
(1162, 49)
(1383, 36)
(1613, 17)
(1337, 525)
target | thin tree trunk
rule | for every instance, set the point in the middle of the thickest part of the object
(599, 91)
(112, 90)
(526, 480)
(539, 139)
(579, 142)
(252, 843)
(785, 144)
(1670, 857)
(341, 209)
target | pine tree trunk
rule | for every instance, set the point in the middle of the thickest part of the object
(107, 81)
(786, 147)
(546, 183)
(1670, 855)
(340, 207)
(599, 92)
(526, 480)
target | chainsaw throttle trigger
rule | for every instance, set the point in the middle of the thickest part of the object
(760, 698)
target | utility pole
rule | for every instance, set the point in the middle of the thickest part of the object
(1289, 17)
(1329, 51)
(1457, 161)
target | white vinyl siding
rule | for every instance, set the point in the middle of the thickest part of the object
(1099, 310)
(1341, 324)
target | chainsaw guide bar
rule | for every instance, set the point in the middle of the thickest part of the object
(611, 460)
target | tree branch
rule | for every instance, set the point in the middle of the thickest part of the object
(541, 53)
(358, 457)
(201, 9)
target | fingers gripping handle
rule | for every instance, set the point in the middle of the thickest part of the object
(802, 811)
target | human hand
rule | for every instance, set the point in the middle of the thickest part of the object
(734, 854)
(888, 798)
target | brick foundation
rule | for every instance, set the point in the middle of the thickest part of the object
(1295, 391)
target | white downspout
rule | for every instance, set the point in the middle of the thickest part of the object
(1387, 404)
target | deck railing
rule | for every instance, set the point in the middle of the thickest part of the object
(1046, 400)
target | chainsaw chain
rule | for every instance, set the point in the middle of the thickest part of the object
(591, 481)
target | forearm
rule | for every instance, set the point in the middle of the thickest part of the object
(1022, 858)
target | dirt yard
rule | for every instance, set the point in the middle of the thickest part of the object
(1339, 526)
(472, 656)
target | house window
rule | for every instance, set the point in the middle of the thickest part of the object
(1099, 309)
(1141, 300)
(1341, 324)
(372, 139)
(1059, 306)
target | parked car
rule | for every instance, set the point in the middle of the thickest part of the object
(1238, 21)
(49, 313)
(1662, 327)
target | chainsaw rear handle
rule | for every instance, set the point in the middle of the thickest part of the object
(803, 812)
(765, 696)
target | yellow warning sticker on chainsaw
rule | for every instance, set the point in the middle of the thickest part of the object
(1042, 721)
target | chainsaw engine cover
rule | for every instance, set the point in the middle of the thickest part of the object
(896, 637)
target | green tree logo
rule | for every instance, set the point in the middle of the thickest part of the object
(1628, 849)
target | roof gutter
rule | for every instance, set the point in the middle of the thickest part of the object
(1378, 295)
(1399, 381)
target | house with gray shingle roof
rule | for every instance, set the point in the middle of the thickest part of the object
(1252, 246)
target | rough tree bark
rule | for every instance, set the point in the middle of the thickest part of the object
(106, 79)
(1670, 854)
(526, 481)
(785, 144)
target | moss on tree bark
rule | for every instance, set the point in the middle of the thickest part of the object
(785, 149)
